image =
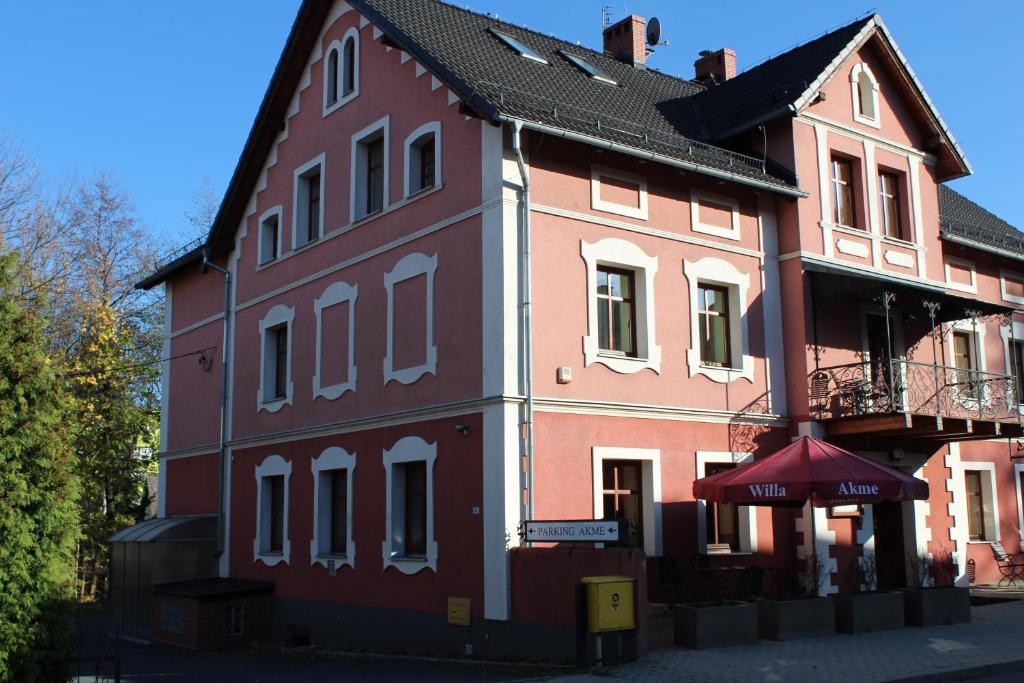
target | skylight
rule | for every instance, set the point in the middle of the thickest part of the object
(588, 68)
(520, 47)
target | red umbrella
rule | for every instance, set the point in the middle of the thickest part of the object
(809, 468)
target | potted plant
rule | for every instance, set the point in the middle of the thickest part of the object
(803, 613)
(933, 599)
(868, 609)
(717, 622)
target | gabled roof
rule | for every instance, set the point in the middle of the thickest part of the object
(964, 222)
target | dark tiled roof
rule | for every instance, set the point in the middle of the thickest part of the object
(959, 217)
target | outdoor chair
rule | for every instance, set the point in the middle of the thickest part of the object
(1010, 566)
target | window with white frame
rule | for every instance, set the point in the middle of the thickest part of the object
(615, 191)
(270, 236)
(413, 269)
(723, 527)
(423, 158)
(965, 342)
(333, 474)
(308, 214)
(341, 71)
(370, 154)
(1011, 286)
(719, 342)
(714, 214)
(627, 485)
(335, 311)
(272, 544)
(620, 306)
(409, 544)
(276, 389)
(982, 503)
(864, 88)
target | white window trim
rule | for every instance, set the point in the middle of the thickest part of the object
(965, 263)
(382, 124)
(432, 127)
(976, 339)
(597, 172)
(336, 294)
(1002, 286)
(747, 513)
(992, 528)
(855, 73)
(696, 197)
(410, 449)
(319, 160)
(650, 459)
(333, 458)
(622, 254)
(272, 465)
(1018, 336)
(339, 46)
(277, 211)
(715, 271)
(278, 315)
(1017, 469)
(412, 265)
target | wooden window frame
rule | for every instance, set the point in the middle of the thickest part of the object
(972, 533)
(713, 513)
(843, 189)
(889, 205)
(704, 315)
(608, 300)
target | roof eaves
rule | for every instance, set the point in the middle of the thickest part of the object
(165, 271)
(980, 246)
(813, 88)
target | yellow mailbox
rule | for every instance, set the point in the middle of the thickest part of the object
(609, 603)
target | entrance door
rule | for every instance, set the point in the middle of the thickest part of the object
(877, 347)
(623, 496)
(890, 551)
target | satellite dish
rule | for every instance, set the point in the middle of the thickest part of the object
(653, 31)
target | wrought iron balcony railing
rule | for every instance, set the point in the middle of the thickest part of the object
(903, 386)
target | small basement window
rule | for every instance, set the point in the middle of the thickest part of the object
(588, 68)
(521, 48)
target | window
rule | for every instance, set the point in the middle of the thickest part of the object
(309, 210)
(423, 158)
(341, 72)
(333, 473)
(622, 496)
(714, 320)
(1017, 368)
(981, 502)
(270, 236)
(627, 485)
(518, 46)
(722, 519)
(272, 544)
(278, 387)
(234, 620)
(335, 311)
(975, 506)
(276, 376)
(172, 617)
(1011, 286)
(370, 150)
(889, 204)
(588, 68)
(620, 307)
(964, 362)
(338, 483)
(411, 267)
(724, 527)
(616, 311)
(348, 85)
(409, 545)
(332, 77)
(618, 192)
(842, 193)
(864, 89)
(274, 487)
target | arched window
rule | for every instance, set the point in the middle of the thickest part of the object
(865, 95)
(349, 83)
(332, 77)
(341, 71)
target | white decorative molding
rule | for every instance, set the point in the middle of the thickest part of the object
(273, 212)
(357, 179)
(915, 201)
(699, 197)
(650, 489)
(715, 271)
(331, 107)
(899, 258)
(1006, 296)
(922, 510)
(963, 263)
(412, 265)
(858, 115)
(598, 204)
(272, 465)
(333, 458)
(432, 127)
(747, 513)
(957, 511)
(824, 188)
(335, 295)
(852, 248)
(874, 222)
(318, 162)
(278, 315)
(409, 449)
(626, 255)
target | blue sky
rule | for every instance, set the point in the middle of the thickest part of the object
(162, 95)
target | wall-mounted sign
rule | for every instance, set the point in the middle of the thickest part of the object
(574, 531)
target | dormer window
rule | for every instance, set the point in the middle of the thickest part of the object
(520, 48)
(865, 95)
(588, 68)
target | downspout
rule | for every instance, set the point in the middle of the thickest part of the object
(527, 313)
(225, 357)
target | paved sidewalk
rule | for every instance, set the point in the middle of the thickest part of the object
(994, 639)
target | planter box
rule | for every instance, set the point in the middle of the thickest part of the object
(796, 618)
(936, 606)
(718, 625)
(867, 612)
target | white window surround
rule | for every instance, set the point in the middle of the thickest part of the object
(278, 212)
(278, 315)
(696, 197)
(855, 73)
(411, 266)
(597, 172)
(1018, 469)
(977, 339)
(339, 45)
(336, 294)
(626, 255)
(650, 471)
(988, 487)
(1018, 336)
(333, 458)
(432, 127)
(317, 162)
(715, 271)
(1003, 274)
(409, 449)
(963, 263)
(272, 465)
(747, 514)
(358, 157)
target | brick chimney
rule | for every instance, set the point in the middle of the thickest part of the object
(715, 67)
(625, 40)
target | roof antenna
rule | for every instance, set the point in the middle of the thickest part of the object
(606, 16)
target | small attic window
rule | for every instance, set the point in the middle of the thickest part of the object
(520, 47)
(588, 68)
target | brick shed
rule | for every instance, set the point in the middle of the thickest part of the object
(212, 614)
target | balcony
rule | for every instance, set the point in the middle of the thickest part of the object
(912, 405)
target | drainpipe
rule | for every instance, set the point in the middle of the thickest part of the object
(527, 312)
(221, 448)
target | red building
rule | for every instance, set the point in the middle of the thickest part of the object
(477, 275)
